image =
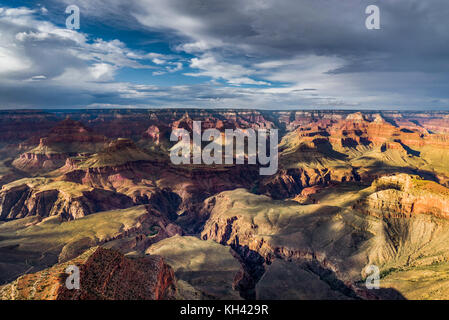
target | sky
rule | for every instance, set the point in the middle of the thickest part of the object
(264, 54)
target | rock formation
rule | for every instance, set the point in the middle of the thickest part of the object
(204, 269)
(352, 189)
(105, 274)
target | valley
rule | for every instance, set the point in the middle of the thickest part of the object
(97, 187)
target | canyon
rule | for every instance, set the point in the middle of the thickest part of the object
(96, 188)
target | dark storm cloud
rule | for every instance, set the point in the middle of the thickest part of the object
(411, 30)
(282, 48)
(413, 35)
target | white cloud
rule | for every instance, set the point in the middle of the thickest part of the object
(177, 66)
(158, 61)
(30, 46)
(167, 61)
(37, 78)
(233, 73)
(234, 43)
(24, 36)
(199, 46)
(102, 71)
(10, 62)
(16, 12)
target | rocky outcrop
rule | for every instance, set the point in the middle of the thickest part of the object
(329, 244)
(287, 183)
(171, 188)
(21, 125)
(68, 138)
(105, 274)
(153, 133)
(327, 161)
(34, 243)
(404, 196)
(204, 269)
(131, 123)
(355, 148)
(23, 201)
(34, 162)
(261, 232)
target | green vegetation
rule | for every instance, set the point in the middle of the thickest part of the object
(31, 244)
(421, 185)
(420, 283)
(334, 229)
(43, 184)
(205, 268)
(122, 152)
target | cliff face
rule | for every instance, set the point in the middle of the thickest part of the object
(33, 162)
(132, 123)
(204, 269)
(119, 176)
(288, 183)
(262, 231)
(25, 200)
(404, 196)
(68, 138)
(354, 148)
(322, 147)
(172, 188)
(327, 162)
(333, 241)
(104, 275)
(23, 250)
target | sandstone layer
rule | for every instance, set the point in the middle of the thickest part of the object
(104, 275)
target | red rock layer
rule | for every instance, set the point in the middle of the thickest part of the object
(105, 274)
